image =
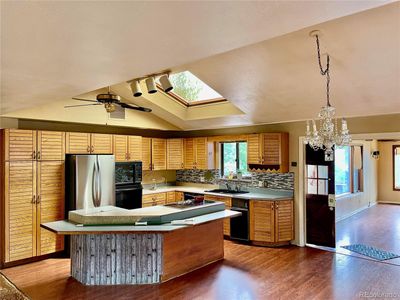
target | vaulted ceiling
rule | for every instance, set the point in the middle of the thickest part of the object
(258, 55)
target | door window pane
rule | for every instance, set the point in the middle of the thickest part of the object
(312, 171)
(323, 172)
(323, 187)
(342, 170)
(312, 186)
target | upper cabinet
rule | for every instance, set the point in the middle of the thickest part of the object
(127, 148)
(22, 145)
(82, 143)
(269, 149)
(159, 154)
(196, 153)
(154, 154)
(175, 154)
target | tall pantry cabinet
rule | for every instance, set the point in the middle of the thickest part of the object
(32, 192)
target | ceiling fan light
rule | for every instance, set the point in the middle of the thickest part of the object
(110, 107)
(136, 90)
(151, 85)
(166, 83)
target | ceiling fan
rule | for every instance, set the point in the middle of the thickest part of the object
(109, 100)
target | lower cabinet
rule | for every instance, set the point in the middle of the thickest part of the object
(154, 199)
(228, 205)
(174, 197)
(34, 194)
(271, 221)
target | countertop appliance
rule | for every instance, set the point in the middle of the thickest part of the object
(240, 225)
(89, 181)
(128, 187)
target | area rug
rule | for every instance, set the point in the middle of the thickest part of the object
(8, 291)
(372, 252)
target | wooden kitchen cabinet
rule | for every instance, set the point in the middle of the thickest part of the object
(271, 222)
(228, 205)
(23, 145)
(49, 204)
(179, 196)
(175, 154)
(127, 148)
(174, 197)
(269, 149)
(159, 154)
(154, 199)
(33, 194)
(87, 143)
(196, 153)
(154, 154)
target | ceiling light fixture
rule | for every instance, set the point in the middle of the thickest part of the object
(151, 85)
(166, 83)
(327, 136)
(135, 88)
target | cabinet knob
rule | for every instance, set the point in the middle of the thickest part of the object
(92, 148)
(33, 199)
(38, 156)
(38, 199)
(34, 154)
(88, 149)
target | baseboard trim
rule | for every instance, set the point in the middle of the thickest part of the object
(355, 212)
(388, 202)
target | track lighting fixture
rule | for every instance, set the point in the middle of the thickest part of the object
(135, 87)
(165, 83)
(151, 85)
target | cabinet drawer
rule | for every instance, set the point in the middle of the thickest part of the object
(154, 199)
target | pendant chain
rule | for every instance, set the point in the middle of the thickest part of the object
(324, 72)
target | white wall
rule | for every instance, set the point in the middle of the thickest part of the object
(350, 204)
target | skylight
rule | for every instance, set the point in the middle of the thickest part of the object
(191, 90)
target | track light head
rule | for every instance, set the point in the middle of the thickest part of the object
(166, 83)
(151, 85)
(135, 87)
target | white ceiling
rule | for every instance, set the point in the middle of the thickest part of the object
(57, 50)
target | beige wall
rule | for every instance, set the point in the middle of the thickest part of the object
(385, 173)
(350, 204)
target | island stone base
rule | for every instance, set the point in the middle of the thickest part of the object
(144, 258)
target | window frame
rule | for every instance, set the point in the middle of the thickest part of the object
(393, 167)
(237, 162)
(187, 103)
(351, 159)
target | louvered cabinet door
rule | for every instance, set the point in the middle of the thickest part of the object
(134, 148)
(120, 145)
(50, 145)
(174, 154)
(271, 148)
(19, 144)
(20, 210)
(101, 143)
(171, 197)
(284, 229)
(159, 154)
(253, 149)
(201, 149)
(50, 204)
(189, 153)
(262, 227)
(146, 154)
(148, 200)
(77, 143)
(160, 198)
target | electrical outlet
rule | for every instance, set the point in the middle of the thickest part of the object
(260, 183)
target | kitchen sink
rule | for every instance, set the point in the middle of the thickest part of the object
(226, 191)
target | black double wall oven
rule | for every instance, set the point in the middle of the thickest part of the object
(128, 186)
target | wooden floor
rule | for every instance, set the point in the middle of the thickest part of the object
(377, 226)
(247, 272)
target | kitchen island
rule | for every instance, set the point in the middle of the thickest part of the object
(147, 254)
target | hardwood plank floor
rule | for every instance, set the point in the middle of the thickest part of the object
(247, 272)
(377, 226)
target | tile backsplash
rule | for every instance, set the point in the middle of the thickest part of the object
(270, 180)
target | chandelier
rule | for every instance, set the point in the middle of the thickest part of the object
(328, 134)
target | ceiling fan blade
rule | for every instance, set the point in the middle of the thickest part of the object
(140, 108)
(80, 99)
(68, 106)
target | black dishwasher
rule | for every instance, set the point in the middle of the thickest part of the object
(240, 225)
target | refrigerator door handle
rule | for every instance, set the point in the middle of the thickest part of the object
(98, 182)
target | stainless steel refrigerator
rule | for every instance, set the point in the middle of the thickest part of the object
(89, 181)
